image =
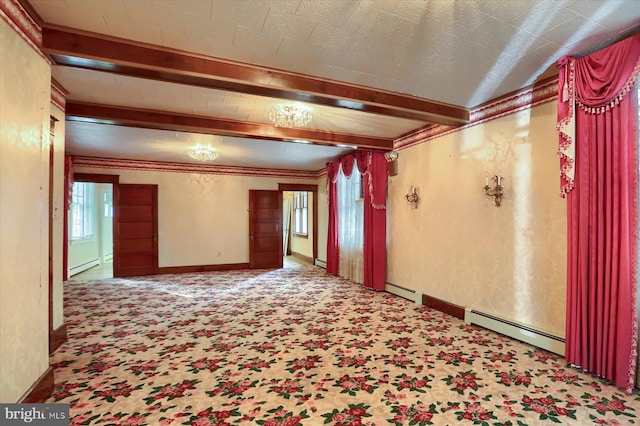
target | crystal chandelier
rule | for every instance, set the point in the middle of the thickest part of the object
(202, 153)
(289, 116)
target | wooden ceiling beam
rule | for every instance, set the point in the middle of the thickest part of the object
(101, 53)
(149, 119)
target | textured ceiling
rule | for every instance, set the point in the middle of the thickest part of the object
(461, 52)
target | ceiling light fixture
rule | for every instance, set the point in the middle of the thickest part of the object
(290, 116)
(202, 153)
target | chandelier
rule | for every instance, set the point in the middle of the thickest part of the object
(289, 116)
(202, 153)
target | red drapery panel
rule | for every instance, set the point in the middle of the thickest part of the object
(602, 211)
(375, 221)
(333, 254)
(373, 167)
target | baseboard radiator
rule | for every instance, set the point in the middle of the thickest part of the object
(408, 294)
(83, 267)
(321, 263)
(516, 330)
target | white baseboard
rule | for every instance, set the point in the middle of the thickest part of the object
(83, 267)
(516, 330)
(403, 292)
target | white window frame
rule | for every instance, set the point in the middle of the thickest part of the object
(301, 213)
(81, 217)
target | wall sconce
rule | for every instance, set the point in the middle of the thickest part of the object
(412, 197)
(496, 191)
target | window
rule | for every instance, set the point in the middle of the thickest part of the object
(300, 213)
(82, 211)
(107, 201)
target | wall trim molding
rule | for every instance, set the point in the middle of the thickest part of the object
(40, 390)
(202, 268)
(160, 166)
(443, 306)
(18, 18)
(57, 337)
(525, 98)
(58, 95)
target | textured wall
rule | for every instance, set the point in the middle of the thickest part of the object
(457, 246)
(203, 219)
(24, 157)
(58, 215)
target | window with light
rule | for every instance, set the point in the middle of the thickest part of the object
(81, 217)
(300, 213)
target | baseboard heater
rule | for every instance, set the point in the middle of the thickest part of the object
(321, 263)
(83, 267)
(403, 292)
(516, 330)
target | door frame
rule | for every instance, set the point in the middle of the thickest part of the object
(115, 181)
(314, 190)
(52, 148)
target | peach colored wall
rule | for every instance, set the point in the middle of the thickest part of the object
(58, 215)
(203, 219)
(24, 158)
(457, 246)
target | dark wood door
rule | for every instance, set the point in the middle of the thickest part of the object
(135, 244)
(265, 229)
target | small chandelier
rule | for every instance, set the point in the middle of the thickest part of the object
(202, 153)
(290, 116)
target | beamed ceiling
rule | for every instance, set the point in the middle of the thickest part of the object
(148, 78)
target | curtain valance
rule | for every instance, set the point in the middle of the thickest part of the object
(595, 83)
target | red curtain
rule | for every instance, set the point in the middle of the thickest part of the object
(375, 221)
(373, 167)
(602, 210)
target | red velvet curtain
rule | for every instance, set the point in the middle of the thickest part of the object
(602, 210)
(375, 220)
(373, 167)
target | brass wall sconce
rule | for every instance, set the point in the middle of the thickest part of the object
(496, 191)
(412, 197)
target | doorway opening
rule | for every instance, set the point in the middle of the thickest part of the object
(300, 222)
(91, 231)
(91, 227)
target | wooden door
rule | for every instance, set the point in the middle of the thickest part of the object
(265, 229)
(135, 244)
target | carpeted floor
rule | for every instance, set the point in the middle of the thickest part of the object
(296, 346)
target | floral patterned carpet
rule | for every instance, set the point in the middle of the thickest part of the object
(297, 346)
